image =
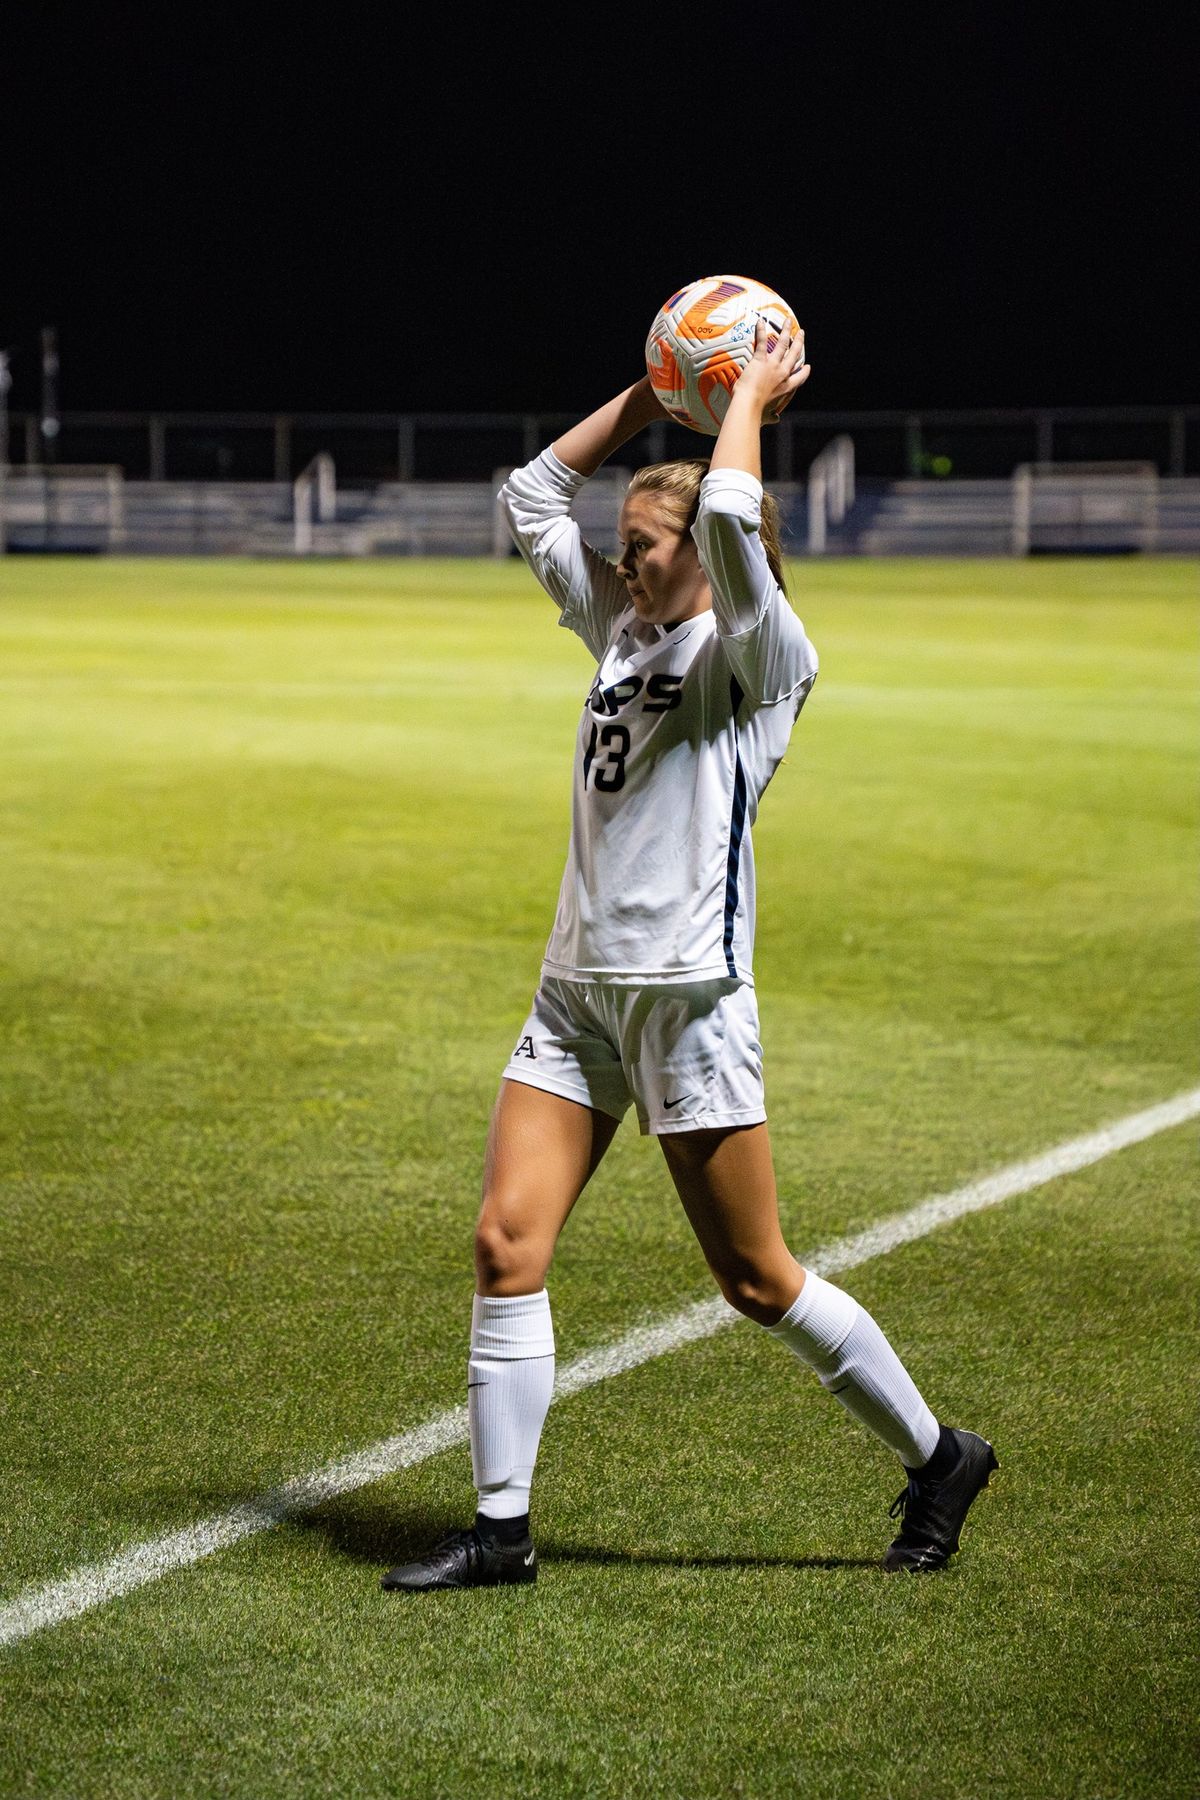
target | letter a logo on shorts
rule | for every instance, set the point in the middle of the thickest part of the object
(525, 1048)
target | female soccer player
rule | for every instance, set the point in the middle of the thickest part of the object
(647, 992)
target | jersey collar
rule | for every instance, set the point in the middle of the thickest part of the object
(647, 634)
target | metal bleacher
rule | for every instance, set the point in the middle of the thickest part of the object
(976, 518)
(880, 483)
(933, 518)
(89, 510)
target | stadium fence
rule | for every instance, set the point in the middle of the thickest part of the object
(401, 447)
(842, 506)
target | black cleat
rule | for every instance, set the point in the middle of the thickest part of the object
(933, 1511)
(465, 1560)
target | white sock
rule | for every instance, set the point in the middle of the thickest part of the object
(509, 1383)
(827, 1329)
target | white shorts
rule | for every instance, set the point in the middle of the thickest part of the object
(688, 1057)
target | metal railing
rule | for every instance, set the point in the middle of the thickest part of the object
(830, 490)
(382, 446)
(58, 509)
(316, 482)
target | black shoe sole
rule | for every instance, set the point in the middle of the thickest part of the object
(524, 1579)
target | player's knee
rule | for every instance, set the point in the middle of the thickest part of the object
(507, 1259)
(756, 1293)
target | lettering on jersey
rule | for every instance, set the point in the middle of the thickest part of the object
(525, 1048)
(610, 700)
(663, 692)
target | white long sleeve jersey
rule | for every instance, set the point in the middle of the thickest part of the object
(682, 729)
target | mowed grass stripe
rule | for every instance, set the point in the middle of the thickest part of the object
(94, 1585)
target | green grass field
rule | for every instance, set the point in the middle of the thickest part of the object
(279, 849)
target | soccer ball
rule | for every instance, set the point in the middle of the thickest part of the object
(702, 339)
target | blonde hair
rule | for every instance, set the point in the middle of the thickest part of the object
(676, 486)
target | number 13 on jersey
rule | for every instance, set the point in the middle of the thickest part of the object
(612, 743)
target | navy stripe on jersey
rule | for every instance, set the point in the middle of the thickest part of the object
(737, 830)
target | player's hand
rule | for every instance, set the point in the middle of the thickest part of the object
(773, 377)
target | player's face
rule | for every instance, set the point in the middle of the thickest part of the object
(659, 564)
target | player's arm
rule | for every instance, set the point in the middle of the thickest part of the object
(594, 439)
(766, 644)
(537, 504)
(765, 386)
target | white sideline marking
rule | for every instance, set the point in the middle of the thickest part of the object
(84, 1588)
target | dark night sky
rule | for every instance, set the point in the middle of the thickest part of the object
(967, 205)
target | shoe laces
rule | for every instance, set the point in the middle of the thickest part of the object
(905, 1498)
(467, 1540)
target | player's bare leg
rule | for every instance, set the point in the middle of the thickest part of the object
(726, 1182)
(542, 1151)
